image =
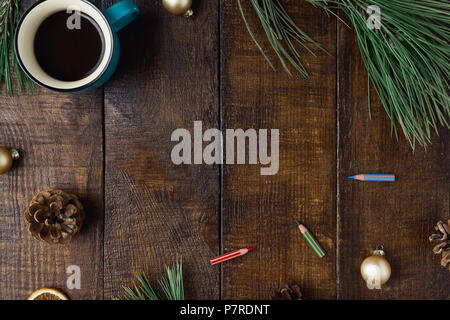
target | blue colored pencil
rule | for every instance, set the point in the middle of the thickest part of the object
(374, 177)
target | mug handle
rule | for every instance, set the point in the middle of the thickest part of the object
(121, 14)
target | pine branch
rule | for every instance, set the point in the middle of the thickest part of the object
(142, 290)
(172, 286)
(407, 60)
(9, 17)
(282, 33)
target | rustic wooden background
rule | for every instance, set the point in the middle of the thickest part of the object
(112, 147)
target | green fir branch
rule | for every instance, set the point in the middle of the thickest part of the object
(9, 17)
(172, 286)
(282, 33)
(408, 60)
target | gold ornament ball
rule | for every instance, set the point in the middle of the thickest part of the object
(375, 269)
(178, 7)
(6, 159)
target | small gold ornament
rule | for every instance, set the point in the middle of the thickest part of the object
(179, 7)
(7, 158)
(375, 269)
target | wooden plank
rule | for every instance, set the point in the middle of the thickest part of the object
(60, 140)
(259, 210)
(167, 78)
(398, 215)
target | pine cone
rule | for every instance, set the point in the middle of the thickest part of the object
(54, 216)
(442, 238)
(286, 293)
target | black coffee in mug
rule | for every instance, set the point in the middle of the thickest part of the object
(68, 54)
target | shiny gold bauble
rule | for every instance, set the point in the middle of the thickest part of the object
(178, 7)
(376, 270)
(7, 158)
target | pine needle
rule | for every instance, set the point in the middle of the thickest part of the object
(282, 33)
(172, 286)
(408, 60)
(142, 290)
(9, 17)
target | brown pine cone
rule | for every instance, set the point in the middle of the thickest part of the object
(442, 240)
(286, 293)
(54, 216)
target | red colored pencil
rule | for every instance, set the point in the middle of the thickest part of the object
(230, 255)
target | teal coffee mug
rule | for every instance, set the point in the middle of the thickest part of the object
(70, 45)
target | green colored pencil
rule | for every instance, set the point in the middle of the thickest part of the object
(312, 242)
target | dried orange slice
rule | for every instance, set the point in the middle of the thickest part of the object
(47, 294)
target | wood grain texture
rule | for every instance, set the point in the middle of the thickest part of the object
(168, 77)
(259, 210)
(174, 71)
(60, 140)
(401, 215)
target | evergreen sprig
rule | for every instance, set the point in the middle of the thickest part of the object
(282, 33)
(172, 286)
(9, 17)
(408, 60)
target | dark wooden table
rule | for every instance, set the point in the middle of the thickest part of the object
(112, 147)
